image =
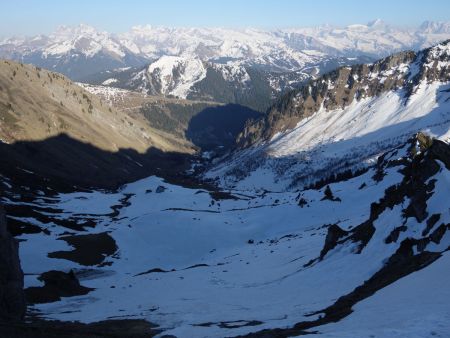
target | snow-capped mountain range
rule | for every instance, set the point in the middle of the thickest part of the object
(279, 50)
(74, 51)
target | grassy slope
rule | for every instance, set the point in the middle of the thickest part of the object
(36, 104)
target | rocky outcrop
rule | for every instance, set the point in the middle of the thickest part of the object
(334, 234)
(57, 284)
(12, 300)
(341, 87)
(441, 151)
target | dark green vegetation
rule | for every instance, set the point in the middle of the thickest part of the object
(256, 93)
(172, 117)
(219, 126)
(207, 126)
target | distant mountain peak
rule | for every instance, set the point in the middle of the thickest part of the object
(377, 23)
(73, 31)
(175, 75)
(435, 27)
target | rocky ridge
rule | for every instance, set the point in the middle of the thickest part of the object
(339, 88)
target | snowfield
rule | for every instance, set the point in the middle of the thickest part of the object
(191, 71)
(204, 267)
(110, 94)
(395, 311)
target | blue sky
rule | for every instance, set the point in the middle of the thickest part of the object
(29, 17)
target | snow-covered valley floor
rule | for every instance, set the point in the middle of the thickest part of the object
(201, 264)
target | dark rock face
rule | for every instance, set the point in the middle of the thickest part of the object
(57, 284)
(441, 151)
(393, 236)
(160, 189)
(91, 249)
(335, 233)
(12, 300)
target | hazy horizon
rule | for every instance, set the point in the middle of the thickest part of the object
(31, 17)
(237, 28)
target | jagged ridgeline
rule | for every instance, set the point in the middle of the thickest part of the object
(340, 88)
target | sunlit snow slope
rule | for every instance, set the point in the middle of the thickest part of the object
(329, 140)
(343, 120)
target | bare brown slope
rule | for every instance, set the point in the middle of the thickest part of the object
(54, 133)
(36, 104)
(205, 125)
